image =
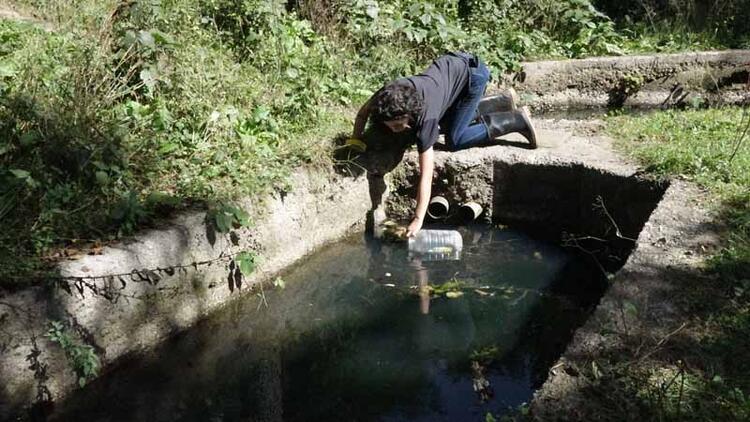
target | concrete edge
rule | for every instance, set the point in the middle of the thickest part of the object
(662, 247)
(642, 81)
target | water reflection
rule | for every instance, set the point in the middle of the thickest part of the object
(362, 332)
(423, 287)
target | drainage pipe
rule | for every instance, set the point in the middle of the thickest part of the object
(470, 211)
(438, 208)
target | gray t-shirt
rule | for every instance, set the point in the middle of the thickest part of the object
(439, 85)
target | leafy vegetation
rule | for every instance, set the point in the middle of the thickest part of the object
(224, 217)
(82, 357)
(109, 125)
(668, 24)
(126, 111)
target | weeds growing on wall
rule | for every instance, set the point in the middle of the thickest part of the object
(81, 357)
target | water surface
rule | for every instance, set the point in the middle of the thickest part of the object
(357, 335)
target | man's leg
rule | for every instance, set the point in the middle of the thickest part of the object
(460, 132)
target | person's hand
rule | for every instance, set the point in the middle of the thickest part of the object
(414, 227)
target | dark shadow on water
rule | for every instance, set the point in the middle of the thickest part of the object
(586, 208)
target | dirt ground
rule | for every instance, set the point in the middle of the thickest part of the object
(651, 321)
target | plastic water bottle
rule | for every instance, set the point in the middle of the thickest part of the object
(436, 245)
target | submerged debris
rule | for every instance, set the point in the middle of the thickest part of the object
(394, 232)
(450, 286)
(480, 383)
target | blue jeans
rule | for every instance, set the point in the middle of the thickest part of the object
(459, 132)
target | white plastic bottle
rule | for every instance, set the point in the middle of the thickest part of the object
(435, 245)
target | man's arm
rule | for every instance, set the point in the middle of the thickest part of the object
(361, 121)
(426, 168)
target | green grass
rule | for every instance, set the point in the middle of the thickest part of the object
(705, 146)
(671, 39)
(694, 144)
(697, 145)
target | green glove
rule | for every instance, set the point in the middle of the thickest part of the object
(356, 144)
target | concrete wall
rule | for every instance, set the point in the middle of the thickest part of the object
(716, 77)
(320, 208)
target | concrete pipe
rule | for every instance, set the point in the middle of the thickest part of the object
(438, 208)
(470, 211)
